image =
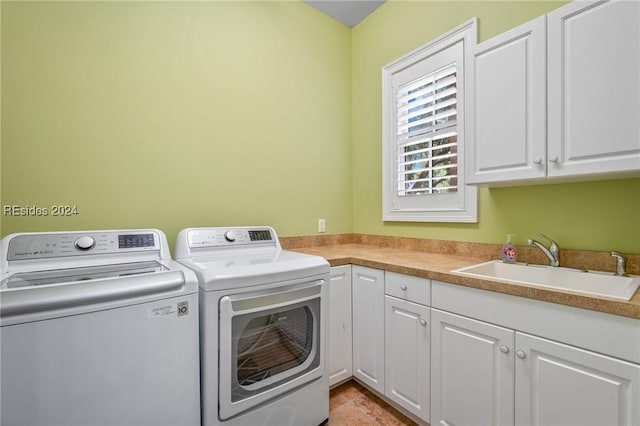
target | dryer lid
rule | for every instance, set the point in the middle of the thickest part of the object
(242, 268)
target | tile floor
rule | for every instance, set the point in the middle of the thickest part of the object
(350, 404)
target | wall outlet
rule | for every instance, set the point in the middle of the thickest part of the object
(321, 225)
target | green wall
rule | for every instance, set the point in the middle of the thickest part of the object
(601, 215)
(177, 114)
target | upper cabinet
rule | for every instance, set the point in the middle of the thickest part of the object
(594, 88)
(508, 123)
(558, 97)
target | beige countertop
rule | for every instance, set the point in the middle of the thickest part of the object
(438, 266)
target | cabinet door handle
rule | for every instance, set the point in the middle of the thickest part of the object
(537, 160)
(423, 322)
(521, 354)
(553, 158)
(504, 349)
(403, 287)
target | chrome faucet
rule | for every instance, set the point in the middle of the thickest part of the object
(552, 253)
(621, 268)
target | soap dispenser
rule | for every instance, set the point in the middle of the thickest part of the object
(509, 253)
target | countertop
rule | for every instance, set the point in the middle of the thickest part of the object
(437, 266)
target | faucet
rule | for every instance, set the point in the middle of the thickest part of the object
(552, 253)
(620, 265)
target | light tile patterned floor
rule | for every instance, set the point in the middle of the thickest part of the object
(350, 404)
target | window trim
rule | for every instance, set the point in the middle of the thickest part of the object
(467, 34)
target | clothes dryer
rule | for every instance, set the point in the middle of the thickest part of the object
(262, 327)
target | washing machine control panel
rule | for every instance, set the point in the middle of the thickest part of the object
(229, 237)
(49, 245)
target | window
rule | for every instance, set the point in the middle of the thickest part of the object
(423, 133)
(426, 134)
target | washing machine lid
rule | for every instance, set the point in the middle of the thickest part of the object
(250, 267)
(44, 275)
(61, 276)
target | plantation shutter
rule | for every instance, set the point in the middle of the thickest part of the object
(423, 112)
(427, 137)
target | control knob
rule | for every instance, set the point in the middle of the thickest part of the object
(230, 236)
(85, 243)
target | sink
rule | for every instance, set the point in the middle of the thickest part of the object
(586, 282)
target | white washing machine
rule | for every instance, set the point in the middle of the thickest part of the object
(262, 328)
(97, 328)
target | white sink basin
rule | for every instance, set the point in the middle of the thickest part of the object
(591, 283)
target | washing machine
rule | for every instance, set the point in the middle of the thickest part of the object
(97, 328)
(262, 327)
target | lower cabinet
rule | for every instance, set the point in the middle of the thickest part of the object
(339, 325)
(557, 384)
(391, 336)
(453, 355)
(491, 375)
(407, 367)
(472, 372)
(367, 303)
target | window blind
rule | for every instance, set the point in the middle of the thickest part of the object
(427, 137)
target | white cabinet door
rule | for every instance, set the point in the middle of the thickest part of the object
(507, 137)
(407, 362)
(471, 372)
(594, 88)
(562, 385)
(367, 288)
(340, 324)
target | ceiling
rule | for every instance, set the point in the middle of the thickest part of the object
(349, 12)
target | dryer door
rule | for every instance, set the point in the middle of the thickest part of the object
(269, 344)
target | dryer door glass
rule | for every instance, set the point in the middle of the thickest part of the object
(269, 344)
(272, 344)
